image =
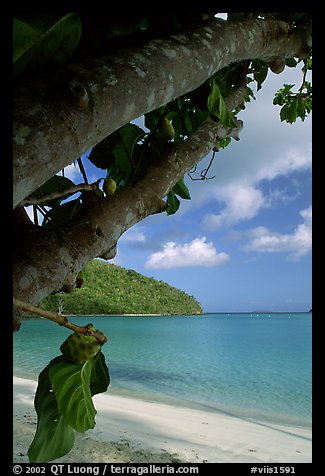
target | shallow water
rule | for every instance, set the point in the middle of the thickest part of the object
(249, 365)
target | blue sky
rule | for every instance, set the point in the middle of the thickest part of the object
(243, 242)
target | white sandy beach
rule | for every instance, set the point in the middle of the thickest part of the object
(134, 431)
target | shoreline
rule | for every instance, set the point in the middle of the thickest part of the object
(170, 315)
(27, 318)
(132, 430)
(283, 420)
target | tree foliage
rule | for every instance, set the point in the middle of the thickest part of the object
(43, 41)
(110, 289)
(141, 168)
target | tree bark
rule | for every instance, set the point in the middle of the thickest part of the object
(46, 261)
(58, 120)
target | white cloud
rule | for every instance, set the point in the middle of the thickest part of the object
(243, 195)
(72, 172)
(268, 151)
(284, 164)
(133, 235)
(296, 245)
(195, 253)
(243, 202)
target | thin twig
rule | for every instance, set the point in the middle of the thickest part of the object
(204, 172)
(235, 98)
(304, 69)
(59, 319)
(35, 215)
(84, 187)
(82, 170)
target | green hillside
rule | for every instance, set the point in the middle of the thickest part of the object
(110, 289)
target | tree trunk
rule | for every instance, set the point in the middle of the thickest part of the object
(57, 121)
(47, 261)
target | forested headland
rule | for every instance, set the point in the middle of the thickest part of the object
(112, 290)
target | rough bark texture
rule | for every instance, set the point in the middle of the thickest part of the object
(84, 103)
(96, 229)
(55, 123)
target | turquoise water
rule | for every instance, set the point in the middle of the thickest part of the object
(249, 365)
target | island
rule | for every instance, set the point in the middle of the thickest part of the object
(108, 289)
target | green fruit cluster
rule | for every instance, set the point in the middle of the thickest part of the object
(80, 347)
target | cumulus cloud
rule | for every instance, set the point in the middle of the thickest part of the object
(195, 253)
(296, 244)
(244, 197)
(243, 202)
(284, 164)
(269, 153)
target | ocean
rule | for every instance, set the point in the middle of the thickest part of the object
(255, 366)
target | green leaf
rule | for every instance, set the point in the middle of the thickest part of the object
(39, 38)
(178, 127)
(173, 203)
(99, 380)
(130, 134)
(181, 189)
(217, 106)
(101, 155)
(71, 386)
(291, 62)
(224, 117)
(289, 111)
(189, 123)
(223, 143)
(122, 159)
(58, 183)
(54, 437)
(283, 94)
(214, 98)
(24, 36)
(63, 401)
(116, 152)
(301, 110)
(261, 69)
(152, 118)
(199, 116)
(304, 106)
(62, 213)
(124, 150)
(309, 63)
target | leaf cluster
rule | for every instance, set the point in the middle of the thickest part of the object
(52, 38)
(63, 403)
(42, 42)
(295, 104)
(42, 38)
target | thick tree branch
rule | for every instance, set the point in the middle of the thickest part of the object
(124, 86)
(56, 256)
